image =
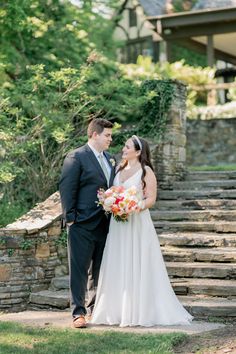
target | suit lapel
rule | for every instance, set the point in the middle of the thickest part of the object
(95, 161)
(112, 174)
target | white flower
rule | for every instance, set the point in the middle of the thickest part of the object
(113, 162)
(108, 202)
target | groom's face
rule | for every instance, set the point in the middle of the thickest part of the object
(104, 139)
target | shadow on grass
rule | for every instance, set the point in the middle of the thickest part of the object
(20, 339)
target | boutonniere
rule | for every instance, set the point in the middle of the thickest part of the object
(113, 162)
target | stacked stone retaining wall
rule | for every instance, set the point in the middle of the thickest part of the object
(211, 142)
(31, 254)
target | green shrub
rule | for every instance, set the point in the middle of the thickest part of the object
(10, 211)
(189, 75)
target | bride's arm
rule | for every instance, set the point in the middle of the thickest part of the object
(150, 191)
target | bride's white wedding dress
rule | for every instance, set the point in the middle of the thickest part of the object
(134, 288)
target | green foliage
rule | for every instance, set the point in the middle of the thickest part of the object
(189, 56)
(10, 252)
(26, 244)
(45, 116)
(232, 94)
(49, 77)
(158, 94)
(53, 82)
(62, 239)
(10, 211)
(183, 5)
(52, 32)
(189, 75)
(2, 241)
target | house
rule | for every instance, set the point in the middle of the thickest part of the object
(136, 32)
(148, 27)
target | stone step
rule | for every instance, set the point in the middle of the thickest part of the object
(193, 226)
(183, 254)
(198, 215)
(207, 287)
(218, 193)
(60, 283)
(49, 298)
(197, 239)
(209, 175)
(206, 184)
(201, 270)
(203, 307)
(198, 305)
(195, 204)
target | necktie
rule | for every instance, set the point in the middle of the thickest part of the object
(103, 166)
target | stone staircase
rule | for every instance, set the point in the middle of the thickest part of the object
(196, 226)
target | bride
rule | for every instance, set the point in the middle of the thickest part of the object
(134, 288)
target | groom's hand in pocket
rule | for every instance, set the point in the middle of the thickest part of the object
(70, 223)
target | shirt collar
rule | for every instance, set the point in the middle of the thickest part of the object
(96, 153)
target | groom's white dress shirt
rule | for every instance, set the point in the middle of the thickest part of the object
(97, 155)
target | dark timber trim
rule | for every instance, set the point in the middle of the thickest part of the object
(181, 27)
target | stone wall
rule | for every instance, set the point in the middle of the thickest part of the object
(170, 156)
(211, 142)
(31, 254)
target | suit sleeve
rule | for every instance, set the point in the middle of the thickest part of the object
(68, 187)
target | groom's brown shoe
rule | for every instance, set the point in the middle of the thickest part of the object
(79, 322)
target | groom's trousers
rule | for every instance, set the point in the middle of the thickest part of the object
(85, 250)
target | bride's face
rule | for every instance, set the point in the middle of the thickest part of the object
(129, 152)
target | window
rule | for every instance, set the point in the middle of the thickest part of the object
(134, 48)
(132, 18)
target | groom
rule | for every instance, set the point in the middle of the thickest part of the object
(85, 170)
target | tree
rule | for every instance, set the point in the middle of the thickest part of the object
(50, 32)
(44, 51)
(185, 5)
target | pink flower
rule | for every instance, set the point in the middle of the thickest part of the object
(120, 202)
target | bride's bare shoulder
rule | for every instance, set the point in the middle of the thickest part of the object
(149, 169)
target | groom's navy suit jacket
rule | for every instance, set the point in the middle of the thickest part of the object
(80, 180)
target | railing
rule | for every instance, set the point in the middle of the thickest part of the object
(212, 88)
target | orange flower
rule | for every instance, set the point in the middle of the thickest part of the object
(115, 209)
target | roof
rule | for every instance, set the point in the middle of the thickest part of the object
(158, 7)
(213, 4)
(192, 28)
(153, 7)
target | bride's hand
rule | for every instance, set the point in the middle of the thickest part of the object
(141, 206)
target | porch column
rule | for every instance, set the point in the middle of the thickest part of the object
(210, 51)
(211, 96)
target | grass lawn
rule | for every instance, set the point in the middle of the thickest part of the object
(18, 339)
(226, 167)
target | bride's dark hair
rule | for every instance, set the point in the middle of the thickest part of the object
(144, 158)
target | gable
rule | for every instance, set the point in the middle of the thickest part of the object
(127, 29)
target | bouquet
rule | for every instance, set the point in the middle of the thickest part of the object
(120, 202)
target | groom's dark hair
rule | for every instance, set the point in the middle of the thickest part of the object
(97, 125)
